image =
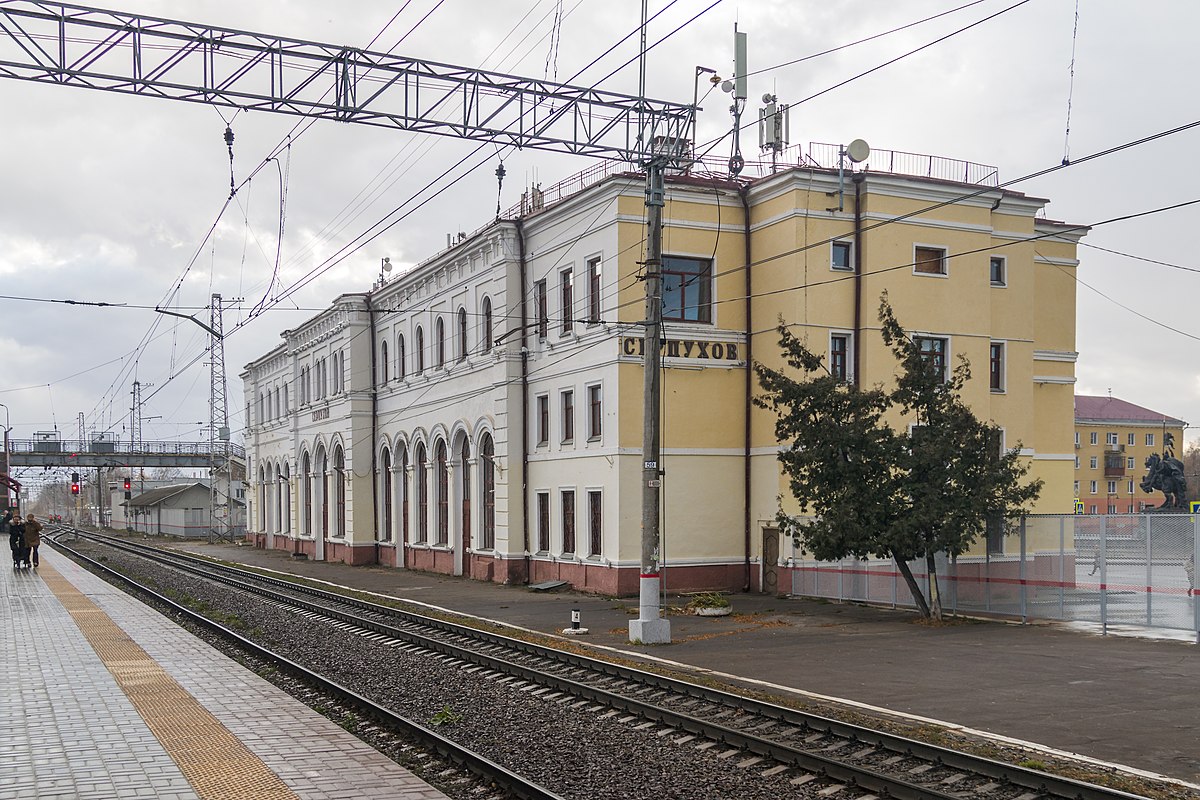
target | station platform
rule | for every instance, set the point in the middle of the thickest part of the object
(1116, 700)
(104, 698)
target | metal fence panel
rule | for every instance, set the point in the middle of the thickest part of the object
(1134, 570)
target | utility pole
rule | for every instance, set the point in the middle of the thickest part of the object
(219, 511)
(651, 627)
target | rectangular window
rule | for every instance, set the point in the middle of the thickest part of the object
(1092, 463)
(686, 289)
(1149, 440)
(543, 312)
(1092, 509)
(1112, 487)
(1076, 462)
(568, 522)
(568, 416)
(839, 356)
(996, 367)
(1129, 488)
(929, 260)
(933, 351)
(594, 527)
(595, 413)
(593, 271)
(1077, 438)
(1093, 487)
(566, 285)
(996, 271)
(1077, 488)
(1129, 439)
(1111, 439)
(543, 420)
(543, 524)
(1112, 508)
(1129, 463)
(841, 256)
(1094, 438)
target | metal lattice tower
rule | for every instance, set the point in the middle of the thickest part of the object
(219, 472)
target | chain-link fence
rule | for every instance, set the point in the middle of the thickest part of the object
(1113, 570)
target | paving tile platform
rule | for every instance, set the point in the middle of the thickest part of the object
(104, 698)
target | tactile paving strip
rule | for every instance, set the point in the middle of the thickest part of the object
(214, 761)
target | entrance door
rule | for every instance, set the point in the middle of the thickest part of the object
(770, 562)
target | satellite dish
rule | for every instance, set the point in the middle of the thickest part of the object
(727, 87)
(387, 265)
(858, 151)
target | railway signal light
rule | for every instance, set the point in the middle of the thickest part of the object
(75, 487)
(127, 485)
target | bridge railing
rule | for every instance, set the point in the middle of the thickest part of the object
(101, 447)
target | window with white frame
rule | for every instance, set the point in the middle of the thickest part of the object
(1092, 487)
(1129, 463)
(1112, 487)
(543, 522)
(933, 350)
(1111, 438)
(566, 297)
(593, 288)
(1129, 440)
(1077, 488)
(542, 415)
(1094, 437)
(541, 308)
(841, 256)
(595, 412)
(996, 366)
(1150, 440)
(568, 416)
(928, 260)
(1129, 487)
(1076, 462)
(1077, 438)
(567, 506)
(997, 271)
(686, 289)
(1093, 462)
(840, 354)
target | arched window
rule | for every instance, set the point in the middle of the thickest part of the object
(462, 334)
(262, 499)
(285, 500)
(441, 344)
(402, 482)
(464, 469)
(268, 495)
(385, 494)
(419, 355)
(323, 490)
(487, 465)
(383, 360)
(487, 325)
(339, 492)
(261, 418)
(286, 409)
(400, 373)
(443, 493)
(306, 477)
(422, 496)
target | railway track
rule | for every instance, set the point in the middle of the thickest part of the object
(813, 752)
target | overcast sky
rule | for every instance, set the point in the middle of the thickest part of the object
(110, 198)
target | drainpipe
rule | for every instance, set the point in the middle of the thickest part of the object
(374, 429)
(520, 226)
(746, 521)
(859, 178)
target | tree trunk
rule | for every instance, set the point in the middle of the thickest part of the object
(935, 596)
(918, 598)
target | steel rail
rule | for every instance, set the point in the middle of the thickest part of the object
(977, 765)
(447, 749)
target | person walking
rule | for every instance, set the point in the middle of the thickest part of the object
(16, 537)
(33, 538)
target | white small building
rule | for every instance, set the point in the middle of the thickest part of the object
(180, 509)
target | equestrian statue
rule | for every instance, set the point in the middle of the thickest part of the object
(1165, 474)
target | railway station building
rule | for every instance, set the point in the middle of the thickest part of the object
(481, 413)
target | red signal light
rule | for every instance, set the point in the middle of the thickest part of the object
(74, 488)
(127, 485)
